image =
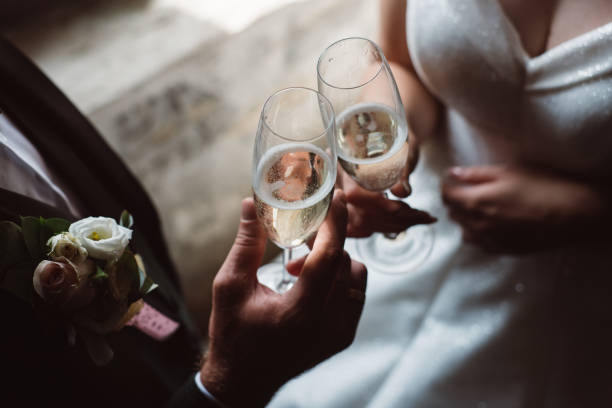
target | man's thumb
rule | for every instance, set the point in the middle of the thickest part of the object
(247, 252)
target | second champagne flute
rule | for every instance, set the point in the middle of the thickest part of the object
(294, 172)
(373, 140)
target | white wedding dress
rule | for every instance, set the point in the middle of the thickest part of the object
(470, 329)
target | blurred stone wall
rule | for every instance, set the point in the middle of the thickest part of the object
(179, 100)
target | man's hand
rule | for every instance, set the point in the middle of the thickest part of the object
(260, 339)
(516, 210)
(371, 212)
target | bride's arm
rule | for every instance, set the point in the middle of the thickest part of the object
(370, 212)
(422, 109)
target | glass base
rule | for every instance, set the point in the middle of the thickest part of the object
(403, 254)
(271, 275)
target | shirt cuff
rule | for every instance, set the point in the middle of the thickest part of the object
(207, 393)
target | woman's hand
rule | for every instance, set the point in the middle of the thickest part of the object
(519, 210)
(370, 212)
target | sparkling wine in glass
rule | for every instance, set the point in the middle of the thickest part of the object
(294, 172)
(372, 145)
(373, 140)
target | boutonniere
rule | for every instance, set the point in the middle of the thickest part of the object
(82, 275)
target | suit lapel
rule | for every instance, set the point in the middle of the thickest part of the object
(14, 205)
(74, 149)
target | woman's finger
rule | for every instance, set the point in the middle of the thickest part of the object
(474, 174)
(403, 188)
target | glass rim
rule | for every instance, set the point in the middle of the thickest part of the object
(325, 131)
(382, 62)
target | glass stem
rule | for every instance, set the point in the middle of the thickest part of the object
(286, 279)
(389, 235)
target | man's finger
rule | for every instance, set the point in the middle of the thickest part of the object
(345, 305)
(359, 276)
(320, 267)
(247, 252)
(294, 266)
(356, 295)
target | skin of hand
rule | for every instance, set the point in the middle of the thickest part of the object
(370, 211)
(260, 339)
(402, 188)
(519, 210)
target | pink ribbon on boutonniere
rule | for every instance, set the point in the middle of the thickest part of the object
(153, 323)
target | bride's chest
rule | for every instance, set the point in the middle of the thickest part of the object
(544, 24)
(556, 106)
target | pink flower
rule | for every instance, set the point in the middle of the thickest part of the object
(63, 283)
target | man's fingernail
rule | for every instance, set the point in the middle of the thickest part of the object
(248, 209)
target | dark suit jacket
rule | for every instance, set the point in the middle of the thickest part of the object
(38, 367)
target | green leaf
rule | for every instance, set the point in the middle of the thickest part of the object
(34, 236)
(146, 283)
(37, 231)
(100, 274)
(57, 225)
(151, 288)
(99, 279)
(147, 286)
(18, 281)
(126, 280)
(12, 247)
(126, 220)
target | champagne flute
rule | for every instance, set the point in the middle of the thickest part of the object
(373, 140)
(294, 172)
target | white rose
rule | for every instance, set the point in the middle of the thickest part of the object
(102, 237)
(68, 246)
